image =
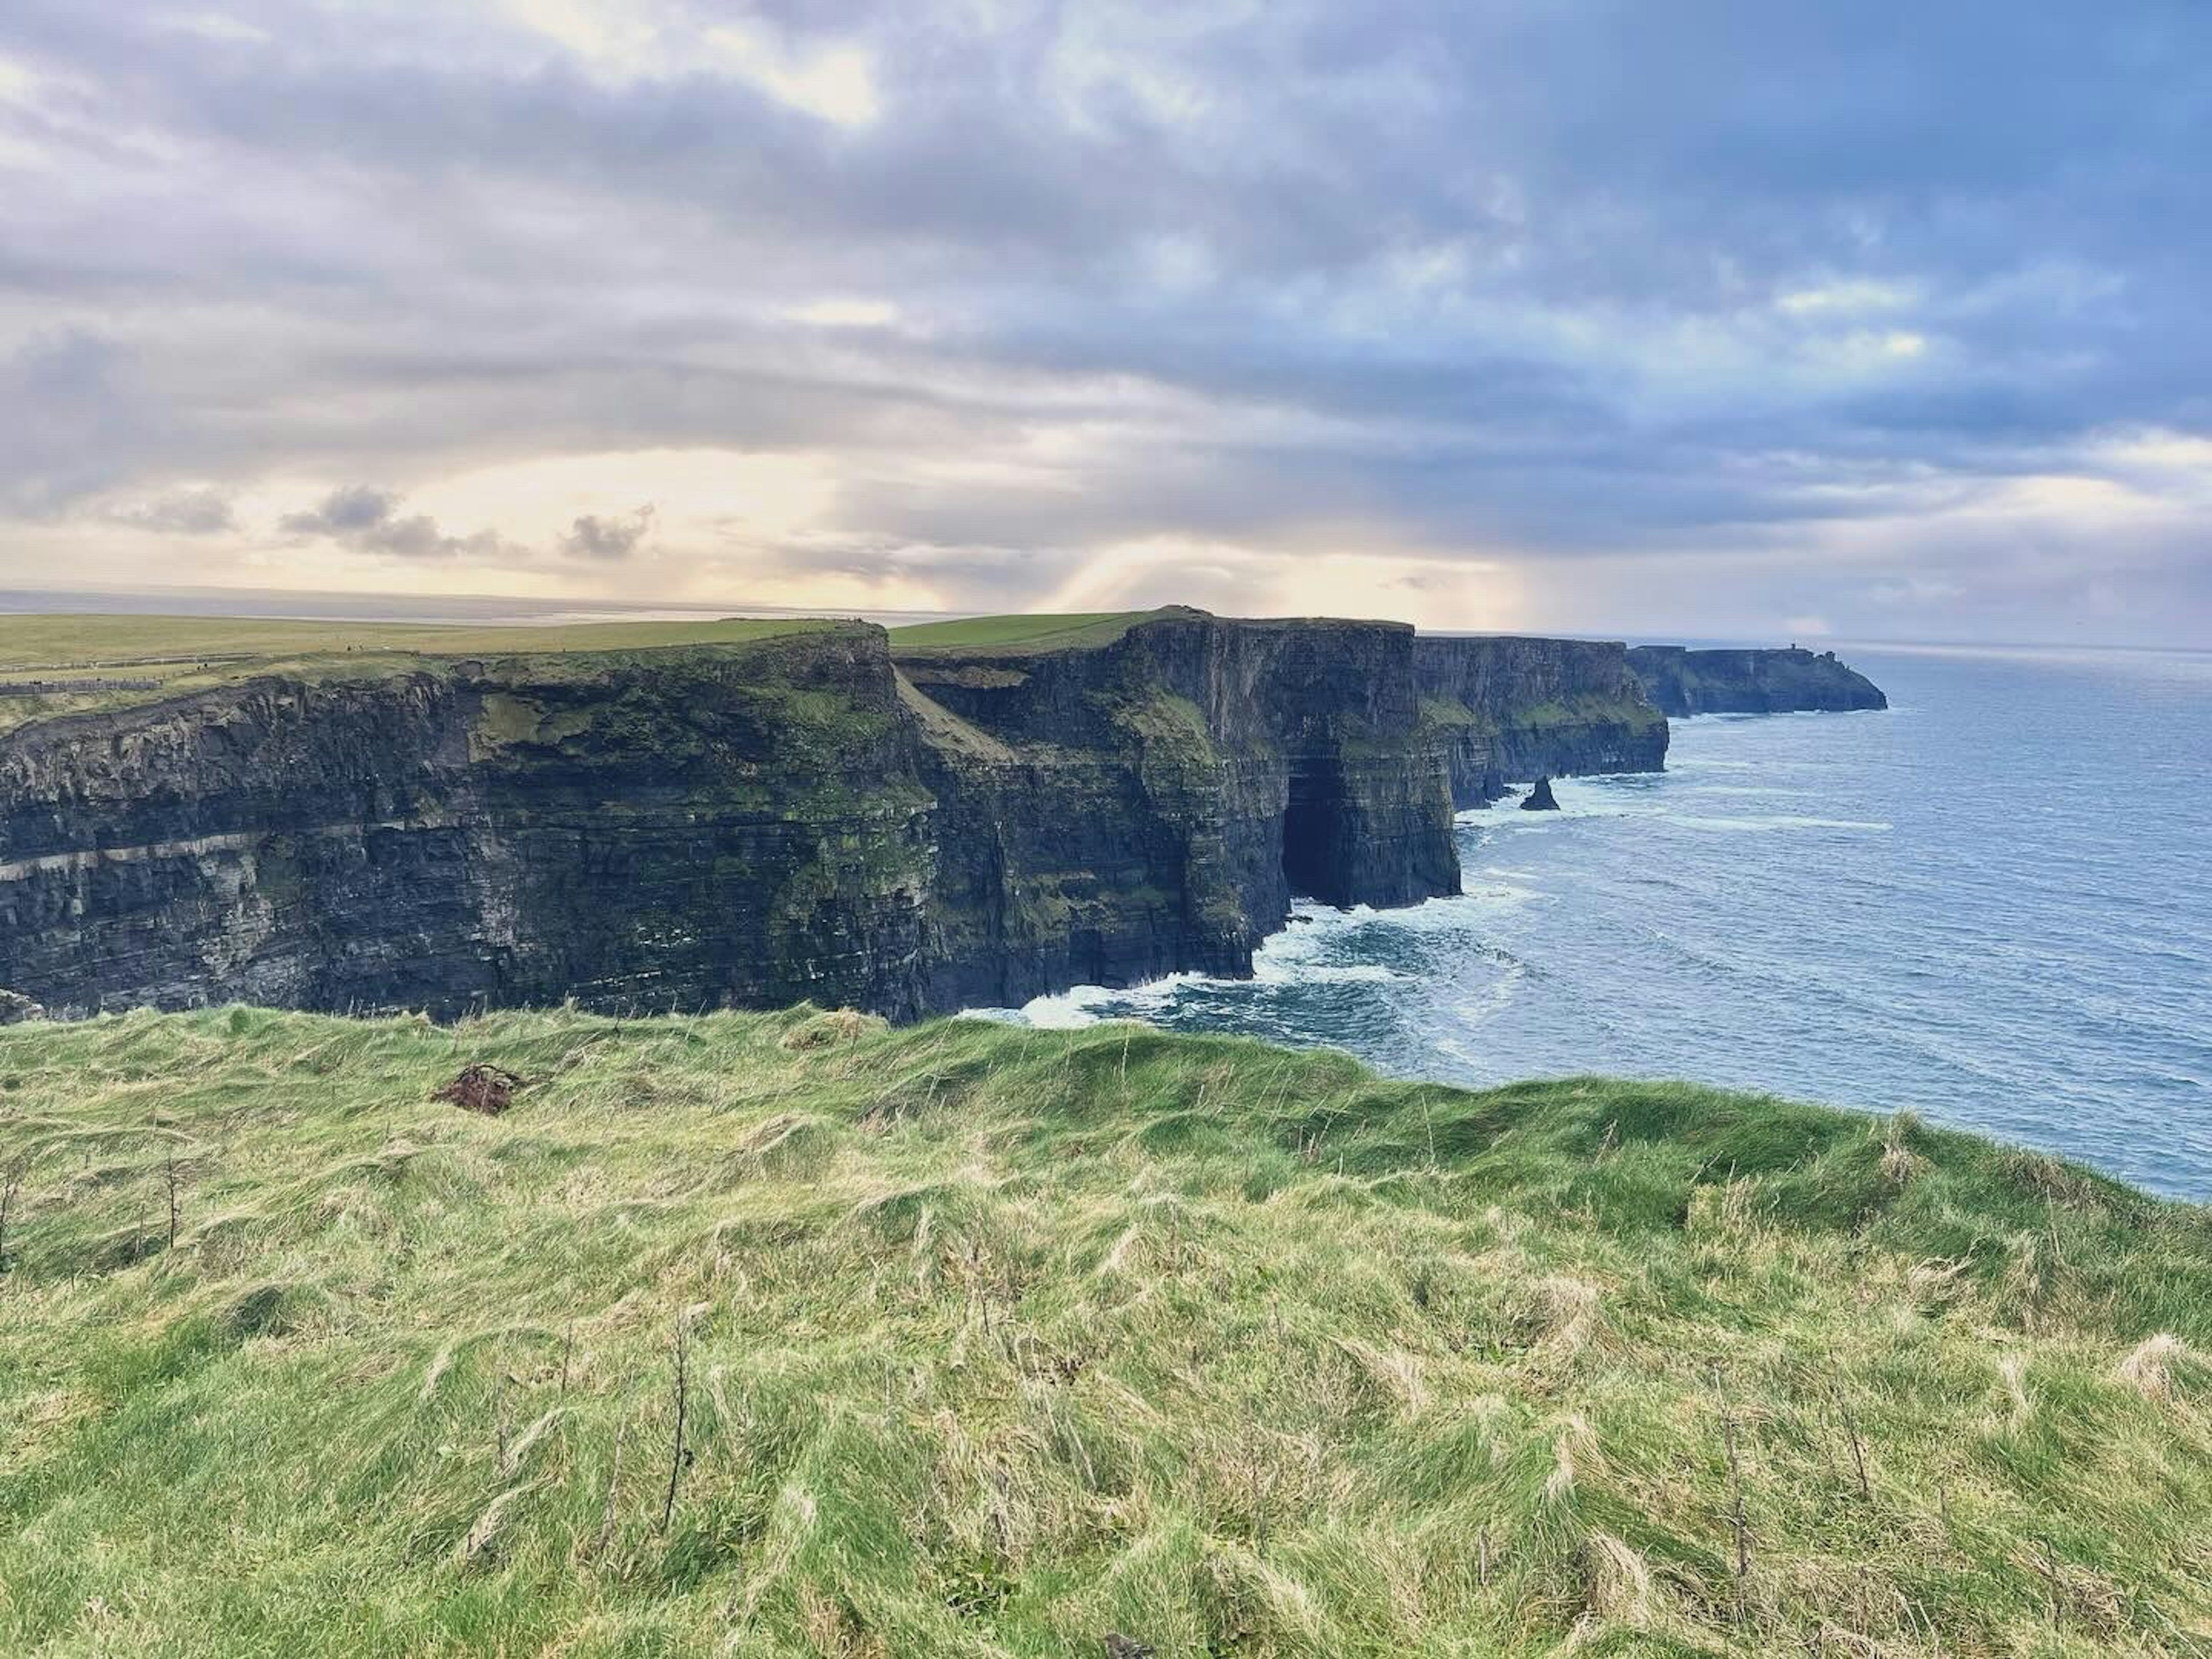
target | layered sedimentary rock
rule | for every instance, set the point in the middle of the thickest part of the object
(1154, 802)
(812, 815)
(671, 829)
(1508, 711)
(721, 826)
(1682, 682)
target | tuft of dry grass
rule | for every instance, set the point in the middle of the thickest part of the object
(2152, 1366)
(827, 1031)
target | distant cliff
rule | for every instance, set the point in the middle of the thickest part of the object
(1682, 682)
(743, 826)
(1509, 711)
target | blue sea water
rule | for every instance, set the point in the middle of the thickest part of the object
(1991, 904)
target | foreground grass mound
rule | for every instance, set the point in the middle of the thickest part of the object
(792, 1334)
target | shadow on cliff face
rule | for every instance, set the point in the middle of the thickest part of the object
(1311, 821)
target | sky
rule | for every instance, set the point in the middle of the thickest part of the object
(1719, 317)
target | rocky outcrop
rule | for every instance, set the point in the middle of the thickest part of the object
(1154, 802)
(1540, 798)
(748, 825)
(1682, 682)
(1507, 711)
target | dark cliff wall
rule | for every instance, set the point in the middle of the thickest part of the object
(1155, 803)
(1311, 730)
(1682, 682)
(748, 824)
(1509, 711)
(636, 831)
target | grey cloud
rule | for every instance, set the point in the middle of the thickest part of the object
(609, 539)
(182, 513)
(344, 512)
(369, 521)
(70, 419)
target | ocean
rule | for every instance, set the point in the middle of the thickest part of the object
(1990, 904)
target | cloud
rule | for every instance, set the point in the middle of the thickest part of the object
(368, 520)
(835, 83)
(1915, 592)
(70, 419)
(181, 513)
(1596, 294)
(345, 511)
(610, 539)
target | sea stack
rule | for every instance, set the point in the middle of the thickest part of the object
(1540, 798)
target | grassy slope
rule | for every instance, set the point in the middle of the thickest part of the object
(1019, 632)
(188, 653)
(998, 1341)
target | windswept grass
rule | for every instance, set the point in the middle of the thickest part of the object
(994, 1342)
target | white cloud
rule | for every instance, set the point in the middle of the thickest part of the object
(835, 83)
(611, 39)
(844, 313)
(1847, 297)
(215, 26)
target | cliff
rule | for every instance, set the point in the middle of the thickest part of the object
(666, 829)
(740, 824)
(1509, 711)
(1682, 682)
(1153, 802)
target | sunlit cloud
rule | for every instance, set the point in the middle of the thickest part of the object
(1436, 312)
(845, 314)
(836, 82)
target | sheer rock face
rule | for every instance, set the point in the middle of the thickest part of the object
(745, 825)
(1154, 804)
(673, 828)
(1682, 682)
(1508, 711)
(806, 816)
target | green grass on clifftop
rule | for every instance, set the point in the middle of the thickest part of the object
(182, 654)
(78, 643)
(993, 1341)
(1020, 633)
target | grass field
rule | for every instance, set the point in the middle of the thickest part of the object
(1019, 632)
(48, 641)
(179, 654)
(187, 654)
(787, 1334)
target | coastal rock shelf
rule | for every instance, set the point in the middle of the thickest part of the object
(827, 814)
